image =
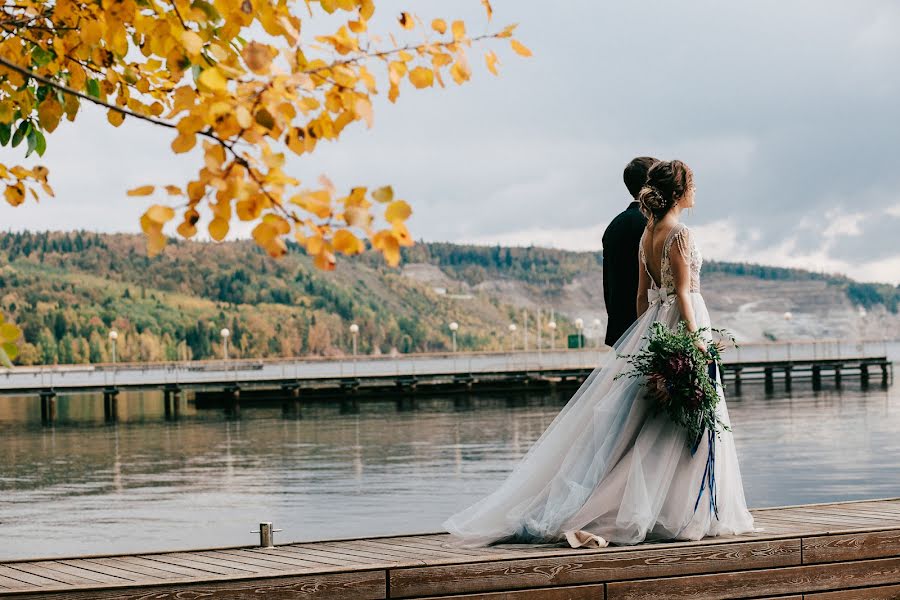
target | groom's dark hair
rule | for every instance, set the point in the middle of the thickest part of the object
(636, 174)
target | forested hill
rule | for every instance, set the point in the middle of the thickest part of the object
(67, 290)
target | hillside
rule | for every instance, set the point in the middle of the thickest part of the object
(67, 290)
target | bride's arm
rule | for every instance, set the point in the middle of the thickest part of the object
(643, 286)
(681, 271)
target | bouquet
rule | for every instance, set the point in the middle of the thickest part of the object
(681, 379)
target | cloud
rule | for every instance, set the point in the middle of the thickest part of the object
(786, 112)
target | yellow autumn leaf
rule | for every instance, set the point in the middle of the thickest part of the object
(487, 7)
(115, 117)
(491, 60)
(218, 229)
(421, 77)
(520, 48)
(49, 113)
(459, 30)
(9, 332)
(160, 214)
(156, 241)
(15, 194)
(317, 203)
(258, 57)
(383, 194)
(439, 25)
(398, 210)
(192, 42)
(186, 230)
(406, 20)
(388, 245)
(213, 79)
(184, 142)
(357, 216)
(344, 241)
(144, 190)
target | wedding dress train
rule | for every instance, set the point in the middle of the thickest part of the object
(607, 470)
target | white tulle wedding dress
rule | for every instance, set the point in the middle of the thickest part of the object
(607, 470)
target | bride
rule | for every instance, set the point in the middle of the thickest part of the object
(607, 469)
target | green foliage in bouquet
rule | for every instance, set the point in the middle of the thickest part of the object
(678, 376)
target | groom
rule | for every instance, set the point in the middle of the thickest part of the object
(620, 254)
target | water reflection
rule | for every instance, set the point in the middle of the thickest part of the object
(148, 484)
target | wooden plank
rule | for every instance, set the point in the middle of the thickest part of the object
(420, 556)
(887, 592)
(248, 560)
(204, 565)
(577, 592)
(95, 575)
(124, 565)
(25, 577)
(287, 557)
(763, 582)
(879, 544)
(423, 551)
(360, 585)
(374, 555)
(599, 566)
(107, 570)
(175, 569)
(839, 516)
(328, 557)
(8, 583)
(823, 519)
(43, 571)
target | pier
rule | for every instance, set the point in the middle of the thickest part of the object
(838, 551)
(231, 383)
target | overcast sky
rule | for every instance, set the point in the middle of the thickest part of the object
(787, 110)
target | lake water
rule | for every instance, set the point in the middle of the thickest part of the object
(84, 487)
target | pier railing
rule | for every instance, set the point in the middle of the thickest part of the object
(263, 371)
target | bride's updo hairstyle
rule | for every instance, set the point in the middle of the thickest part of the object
(667, 182)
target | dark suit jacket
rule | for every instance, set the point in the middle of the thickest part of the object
(620, 270)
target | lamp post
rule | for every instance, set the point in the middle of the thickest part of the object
(225, 334)
(579, 325)
(354, 331)
(113, 336)
(597, 332)
(787, 319)
(512, 336)
(552, 327)
(453, 327)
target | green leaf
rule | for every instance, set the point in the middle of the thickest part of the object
(40, 57)
(11, 350)
(40, 145)
(32, 142)
(21, 132)
(5, 133)
(93, 88)
(208, 9)
(4, 359)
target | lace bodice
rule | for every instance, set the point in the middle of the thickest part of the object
(681, 236)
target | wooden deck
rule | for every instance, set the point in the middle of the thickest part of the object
(839, 551)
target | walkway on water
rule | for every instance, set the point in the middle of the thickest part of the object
(840, 551)
(293, 381)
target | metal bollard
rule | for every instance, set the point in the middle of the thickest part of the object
(266, 535)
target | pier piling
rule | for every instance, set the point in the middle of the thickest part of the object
(110, 404)
(817, 377)
(48, 407)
